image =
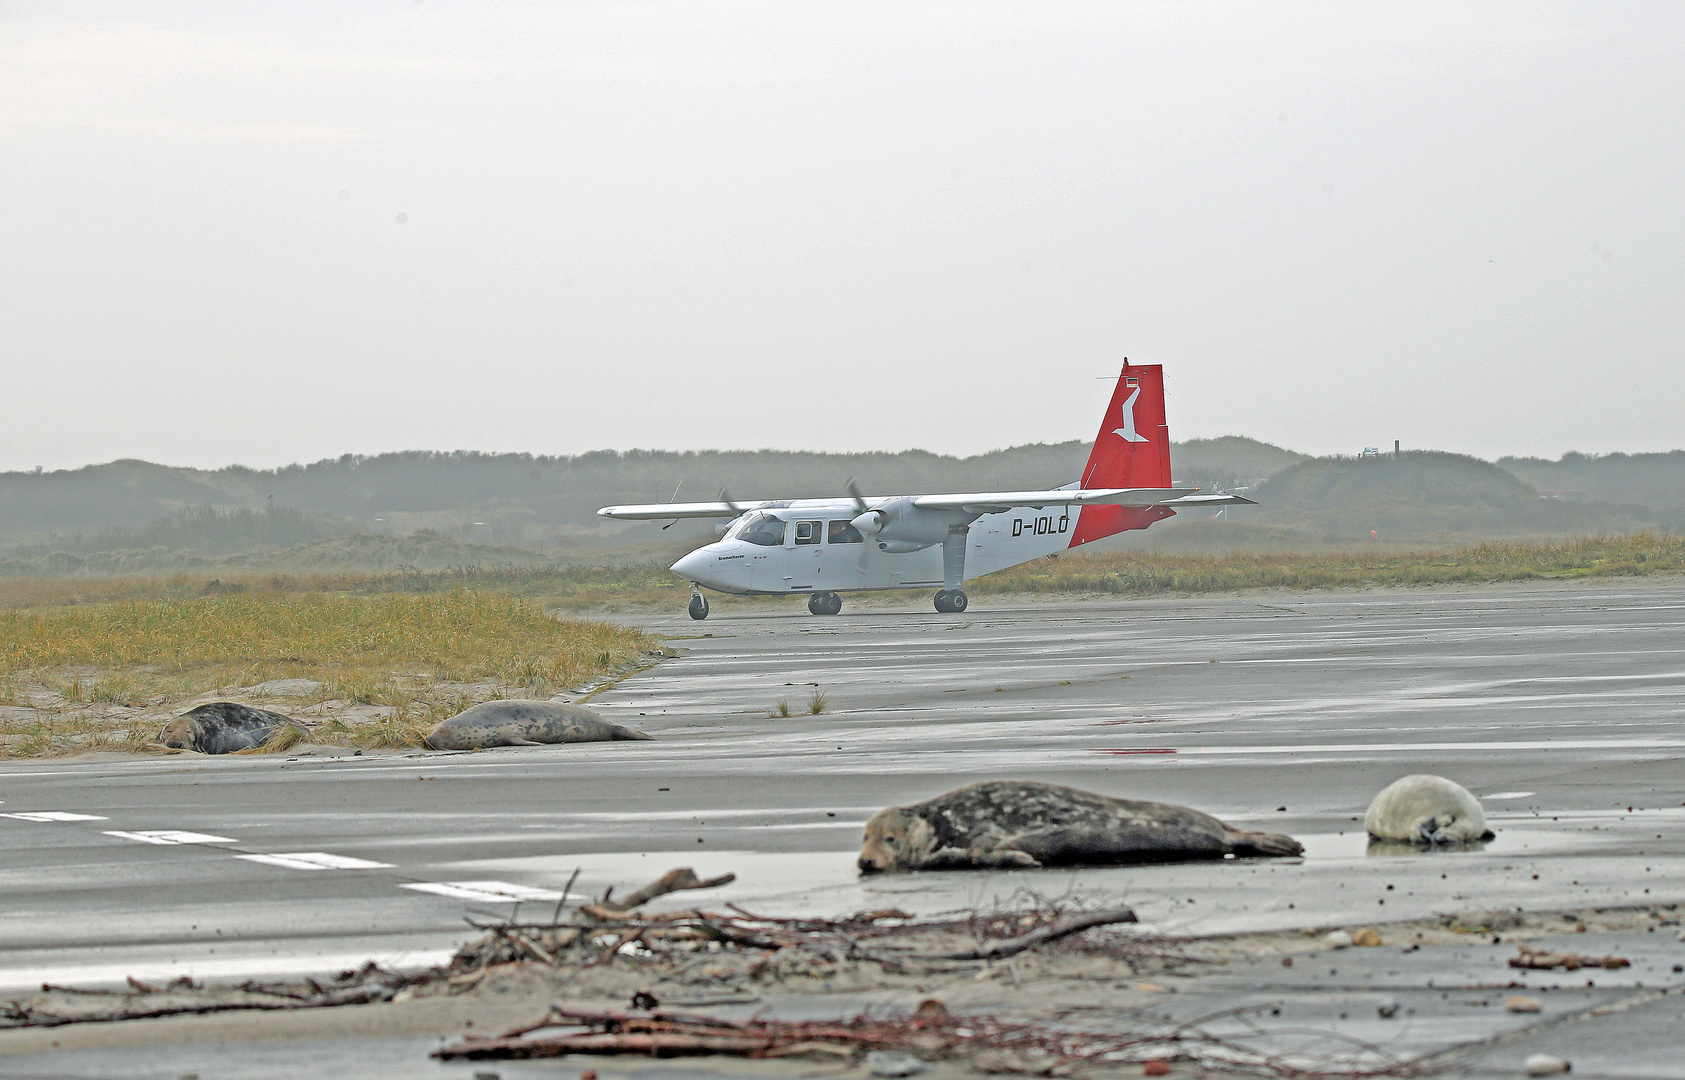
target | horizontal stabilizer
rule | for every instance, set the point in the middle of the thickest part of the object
(1209, 500)
(996, 501)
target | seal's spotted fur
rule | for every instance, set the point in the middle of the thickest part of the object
(222, 727)
(1004, 823)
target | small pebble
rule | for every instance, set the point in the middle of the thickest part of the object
(1545, 1065)
(1155, 1067)
(1387, 1009)
(1287, 961)
(1337, 939)
(1521, 1003)
(1366, 937)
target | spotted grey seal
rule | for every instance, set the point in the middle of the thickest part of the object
(1425, 809)
(222, 727)
(1010, 823)
(525, 723)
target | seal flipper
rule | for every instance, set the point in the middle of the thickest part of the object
(1248, 843)
(626, 734)
(512, 741)
(955, 858)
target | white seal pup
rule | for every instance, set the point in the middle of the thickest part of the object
(1021, 823)
(525, 723)
(222, 727)
(1424, 809)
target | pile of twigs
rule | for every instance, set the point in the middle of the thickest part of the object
(931, 1032)
(597, 933)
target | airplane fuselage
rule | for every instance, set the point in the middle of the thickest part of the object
(820, 551)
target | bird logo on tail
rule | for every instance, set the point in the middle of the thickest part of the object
(1128, 416)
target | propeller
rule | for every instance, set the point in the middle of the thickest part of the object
(854, 493)
(725, 497)
(868, 521)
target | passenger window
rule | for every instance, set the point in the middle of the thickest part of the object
(807, 532)
(844, 533)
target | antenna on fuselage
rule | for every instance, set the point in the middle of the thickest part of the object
(673, 498)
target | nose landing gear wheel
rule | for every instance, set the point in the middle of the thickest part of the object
(951, 602)
(824, 603)
(698, 607)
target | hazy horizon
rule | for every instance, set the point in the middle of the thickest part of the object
(270, 236)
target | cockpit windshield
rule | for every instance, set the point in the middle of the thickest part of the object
(757, 528)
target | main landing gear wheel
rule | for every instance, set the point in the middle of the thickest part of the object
(951, 602)
(824, 603)
(698, 606)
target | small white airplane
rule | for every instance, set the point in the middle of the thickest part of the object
(826, 547)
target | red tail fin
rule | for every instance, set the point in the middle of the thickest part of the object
(1131, 451)
(1133, 447)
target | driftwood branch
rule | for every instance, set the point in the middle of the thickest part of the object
(1013, 946)
(672, 881)
(931, 1032)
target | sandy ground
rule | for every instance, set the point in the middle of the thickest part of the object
(1556, 703)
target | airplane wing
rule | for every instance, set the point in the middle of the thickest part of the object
(663, 511)
(982, 502)
(996, 501)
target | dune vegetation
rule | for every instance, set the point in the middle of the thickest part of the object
(377, 670)
(1148, 573)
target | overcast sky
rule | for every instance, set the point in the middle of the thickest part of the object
(266, 233)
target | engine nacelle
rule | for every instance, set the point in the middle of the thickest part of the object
(901, 527)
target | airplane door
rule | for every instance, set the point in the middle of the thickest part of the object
(764, 553)
(806, 555)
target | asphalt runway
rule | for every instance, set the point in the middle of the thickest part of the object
(1561, 706)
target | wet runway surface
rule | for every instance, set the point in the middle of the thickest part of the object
(1561, 707)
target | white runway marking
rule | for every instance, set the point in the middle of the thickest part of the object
(493, 892)
(1393, 748)
(171, 836)
(55, 815)
(315, 860)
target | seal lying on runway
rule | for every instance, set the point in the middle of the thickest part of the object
(525, 723)
(1007, 823)
(1424, 809)
(222, 727)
